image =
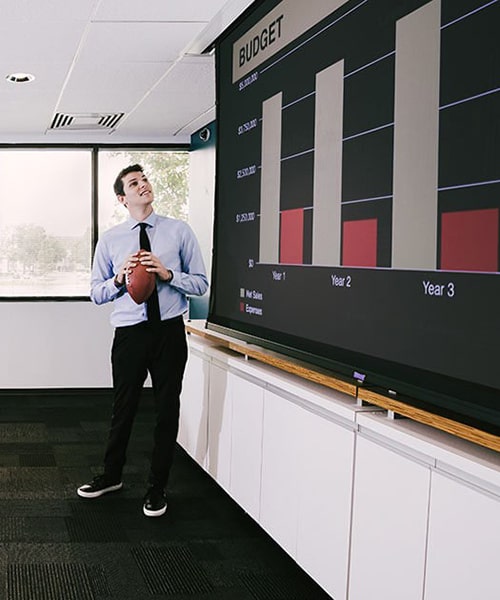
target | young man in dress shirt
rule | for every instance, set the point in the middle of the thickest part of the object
(142, 342)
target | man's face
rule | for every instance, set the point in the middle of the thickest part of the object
(137, 190)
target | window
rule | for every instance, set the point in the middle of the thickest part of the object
(46, 216)
(166, 170)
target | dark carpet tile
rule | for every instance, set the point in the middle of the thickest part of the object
(55, 582)
(33, 529)
(272, 586)
(57, 546)
(75, 455)
(23, 447)
(95, 528)
(171, 570)
(68, 435)
(9, 460)
(20, 432)
(37, 460)
(41, 508)
(30, 483)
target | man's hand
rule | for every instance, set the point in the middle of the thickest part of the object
(154, 265)
(128, 264)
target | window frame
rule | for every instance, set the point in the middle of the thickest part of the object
(94, 195)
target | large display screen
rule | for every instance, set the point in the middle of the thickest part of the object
(358, 194)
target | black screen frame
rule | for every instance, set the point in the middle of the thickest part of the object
(449, 397)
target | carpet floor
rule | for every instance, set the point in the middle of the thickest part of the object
(57, 546)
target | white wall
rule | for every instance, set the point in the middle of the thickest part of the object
(201, 203)
(201, 199)
(202, 191)
(67, 344)
(54, 345)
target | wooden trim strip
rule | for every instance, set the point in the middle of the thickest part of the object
(314, 374)
(457, 429)
(279, 361)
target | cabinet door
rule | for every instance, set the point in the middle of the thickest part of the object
(219, 426)
(281, 453)
(246, 443)
(193, 415)
(307, 467)
(325, 497)
(464, 542)
(390, 509)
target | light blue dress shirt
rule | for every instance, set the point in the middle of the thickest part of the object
(174, 243)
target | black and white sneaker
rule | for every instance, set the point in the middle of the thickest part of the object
(99, 486)
(155, 504)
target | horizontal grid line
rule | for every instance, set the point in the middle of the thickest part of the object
(470, 98)
(468, 185)
(469, 14)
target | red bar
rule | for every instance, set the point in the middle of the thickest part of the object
(359, 243)
(292, 236)
(469, 240)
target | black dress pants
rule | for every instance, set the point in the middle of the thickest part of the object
(161, 350)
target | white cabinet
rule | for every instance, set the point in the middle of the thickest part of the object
(281, 468)
(391, 497)
(246, 443)
(194, 401)
(220, 425)
(426, 514)
(325, 502)
(307, 467)
(370, 507)
(464, 542)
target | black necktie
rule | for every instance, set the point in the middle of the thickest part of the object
(152, 303)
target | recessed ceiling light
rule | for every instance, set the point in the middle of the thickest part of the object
(20, 77)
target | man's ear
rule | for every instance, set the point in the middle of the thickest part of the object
(121, 200)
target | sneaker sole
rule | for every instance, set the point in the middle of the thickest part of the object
(112, 488)
(154, 513)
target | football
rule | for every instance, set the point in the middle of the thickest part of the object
(140, 283)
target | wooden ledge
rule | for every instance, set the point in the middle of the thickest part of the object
(457, 429)
(323, 377)
(284, 363)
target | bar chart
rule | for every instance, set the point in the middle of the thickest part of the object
(399, 222)
(358, 191)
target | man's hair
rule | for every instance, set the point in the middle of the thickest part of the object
(118, 185)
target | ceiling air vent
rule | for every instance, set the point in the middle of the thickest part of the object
(85, 122)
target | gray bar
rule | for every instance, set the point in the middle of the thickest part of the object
(270, 180)
(328, 130)
(416, 131)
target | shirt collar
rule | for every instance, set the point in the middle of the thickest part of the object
(151, 221)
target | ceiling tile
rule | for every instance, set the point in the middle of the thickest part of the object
(109, 56)
(109, 87)
(47, 10)
(136, 42)
(30, 42)
(187, 92)
(48, 77)
(158, 10)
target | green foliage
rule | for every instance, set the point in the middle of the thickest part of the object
(36, 251)
(79, 251)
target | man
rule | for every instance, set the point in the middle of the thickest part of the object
(146, 339)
